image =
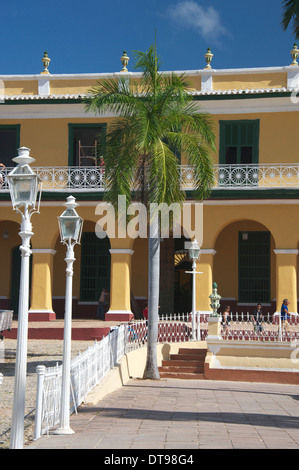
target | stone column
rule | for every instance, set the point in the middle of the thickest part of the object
(286, 278)
(214, 328)
(41, 285)
(120, 285)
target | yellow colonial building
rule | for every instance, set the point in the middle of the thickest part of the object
(250, 241)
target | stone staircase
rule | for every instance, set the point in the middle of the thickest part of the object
(187, 364)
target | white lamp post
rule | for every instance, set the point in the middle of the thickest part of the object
(70, 226)
(194, 251)
(23, 186)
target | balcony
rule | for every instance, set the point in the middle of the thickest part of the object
(248, 177)
(227, 177)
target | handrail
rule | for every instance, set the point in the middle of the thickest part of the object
(226, 177)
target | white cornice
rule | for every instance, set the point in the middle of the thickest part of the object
(54, 110)
(43, 251)
(250, 105)
(250, 202)
(286, 252)
(46, 111)
(121, 251)
(207, 251)
(94, 75)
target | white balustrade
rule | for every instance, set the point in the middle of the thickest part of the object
(92, 179)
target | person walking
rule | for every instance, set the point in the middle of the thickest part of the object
(284, 314)
(226, 318)
(257, 319)
(102, 304)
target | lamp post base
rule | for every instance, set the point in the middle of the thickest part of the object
(64, 431)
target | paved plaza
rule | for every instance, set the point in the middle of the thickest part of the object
(169, 414)
(176, 415)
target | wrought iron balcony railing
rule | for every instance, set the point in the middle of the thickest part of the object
(266, 176)
(227, 177)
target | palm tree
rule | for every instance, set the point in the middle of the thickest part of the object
(155, 116)
(290, 14)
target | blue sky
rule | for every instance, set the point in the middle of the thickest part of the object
(90, 35)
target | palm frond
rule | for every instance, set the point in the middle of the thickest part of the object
(290, 14)
(111, 94)
(154, 116)
(164, 175)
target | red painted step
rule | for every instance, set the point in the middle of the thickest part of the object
(82, 330)
(187, 364)
(181, 375)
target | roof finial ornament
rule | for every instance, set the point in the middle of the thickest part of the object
(208, 56)
(46, 62)
(124, 60)
(294, 54)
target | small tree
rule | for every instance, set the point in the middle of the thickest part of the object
(155, 116)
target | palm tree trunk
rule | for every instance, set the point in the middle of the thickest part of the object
(151, 368)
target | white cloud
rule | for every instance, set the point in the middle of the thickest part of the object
(205, 21)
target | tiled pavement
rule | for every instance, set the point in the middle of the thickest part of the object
(186, 414)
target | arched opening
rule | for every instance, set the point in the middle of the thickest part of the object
(182, 279)
(91, 273)
(175, 284)
(244, 265)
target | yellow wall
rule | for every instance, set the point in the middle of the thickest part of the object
(278, 135)
(60, 87)
(195, 82)
(48, 139)
(217, 217)
(79, 85)
(244, 81)
(19, 87)
(251, 354)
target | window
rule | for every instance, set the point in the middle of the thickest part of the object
(83, 142)
(239, 142)
(95, 266)
(254, 267)
(9, 143)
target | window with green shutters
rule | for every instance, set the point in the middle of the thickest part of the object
(84, 140)
(255, 267)
(95, 266)
(9, 143)
(239, 142)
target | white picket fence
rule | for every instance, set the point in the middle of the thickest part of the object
(89, 368)
(243, 327)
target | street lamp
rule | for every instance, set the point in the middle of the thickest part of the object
(70, 226)
(194, 251)
(23, 186)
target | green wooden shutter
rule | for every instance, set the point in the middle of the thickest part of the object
(95, 266)
(239, 142)
(9, 143)
(15, 278)
(255, 267)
